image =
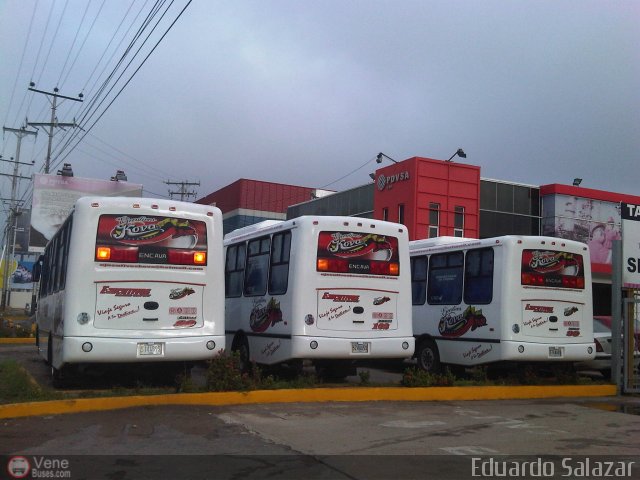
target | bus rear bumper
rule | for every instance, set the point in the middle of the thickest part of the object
(349, 348)
(546, 352)
(132, 350)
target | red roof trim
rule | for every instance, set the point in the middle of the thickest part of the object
(559, 189)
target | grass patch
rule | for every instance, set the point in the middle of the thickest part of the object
(17, 386)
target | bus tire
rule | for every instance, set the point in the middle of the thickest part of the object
(241, 345)
(428, 357)
(49, 351)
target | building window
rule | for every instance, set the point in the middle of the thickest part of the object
(458, 222)
(385, 214)
(434, 219)
(401, 213)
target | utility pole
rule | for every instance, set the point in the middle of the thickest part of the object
(183, 189)
(12, 221)
(54, 120)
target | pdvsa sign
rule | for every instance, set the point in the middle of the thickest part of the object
(630, 214)
(387, 181)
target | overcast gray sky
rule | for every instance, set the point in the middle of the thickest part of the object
(306, 93)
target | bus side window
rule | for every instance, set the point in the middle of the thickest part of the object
(234, 271)
(419, 280)
(279, 269)
(255, 281)
(445, 279)
(478, 277)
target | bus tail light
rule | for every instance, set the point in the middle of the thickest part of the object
(186, 257)
(332, 265)
(532, 279)
(385, 268)
(117, 254)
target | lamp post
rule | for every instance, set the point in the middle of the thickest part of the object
(380, 155)
(459, 153)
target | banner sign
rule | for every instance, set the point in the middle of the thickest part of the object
(55, 195)
(630, 214)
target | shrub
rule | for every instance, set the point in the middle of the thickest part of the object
(416, 377)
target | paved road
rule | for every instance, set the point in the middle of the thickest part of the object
(322, 440)
(329, 440)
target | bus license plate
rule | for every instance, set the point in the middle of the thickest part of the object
(151, 349)
(360, 347)
(556, 352)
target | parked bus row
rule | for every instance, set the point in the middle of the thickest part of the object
(128, 280)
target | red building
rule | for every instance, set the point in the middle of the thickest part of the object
(245, 202)
(431, 197)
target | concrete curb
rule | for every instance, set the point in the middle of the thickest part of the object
(17, 340)
(355, 394)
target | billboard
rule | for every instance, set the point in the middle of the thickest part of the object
(55, 195)
(630, 245)
(594, 222)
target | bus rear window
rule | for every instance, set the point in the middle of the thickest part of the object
(549, 268)
(151, 239)
(358, 253)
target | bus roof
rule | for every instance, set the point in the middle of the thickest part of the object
(449, 243)
(330, 221)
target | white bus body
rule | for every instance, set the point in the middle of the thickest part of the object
(510, 298)
(132, 280)
(319, 288)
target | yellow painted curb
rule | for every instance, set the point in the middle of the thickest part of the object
(357, 394)
(17, 340)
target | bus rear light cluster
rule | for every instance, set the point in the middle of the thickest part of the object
(186, 257)
(573, 282)
(532, 279)
(342, 266)
(131, 255)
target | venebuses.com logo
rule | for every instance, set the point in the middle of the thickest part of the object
(38, 467)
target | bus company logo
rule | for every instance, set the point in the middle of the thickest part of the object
(570, 311)
(183, 310)
(548, 262)
(341, 297)
(126, 292)
(265, 315)
(144, 230)
(357, 244)
(538, 308)
(18, 467)
(178, 293)
(456, 325)
(573, 332)
(385, 181)
(185, 322)
(381, 300)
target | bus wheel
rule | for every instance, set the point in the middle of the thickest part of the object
(49, 351)
(428, 357)
(241, 345)
(60, 376)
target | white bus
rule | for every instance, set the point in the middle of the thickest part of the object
(128, 280)
(503, 299)
(327, 289)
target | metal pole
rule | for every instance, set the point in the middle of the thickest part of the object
(616, 314)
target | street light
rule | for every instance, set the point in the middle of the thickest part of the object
(66, 171)
(120, 176)
(459, 153)
(380, 155)
(577, 182)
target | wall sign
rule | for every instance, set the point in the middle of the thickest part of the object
(630, 245)
(387, 181)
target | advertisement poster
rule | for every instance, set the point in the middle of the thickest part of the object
(594, 222)
(55, 195)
